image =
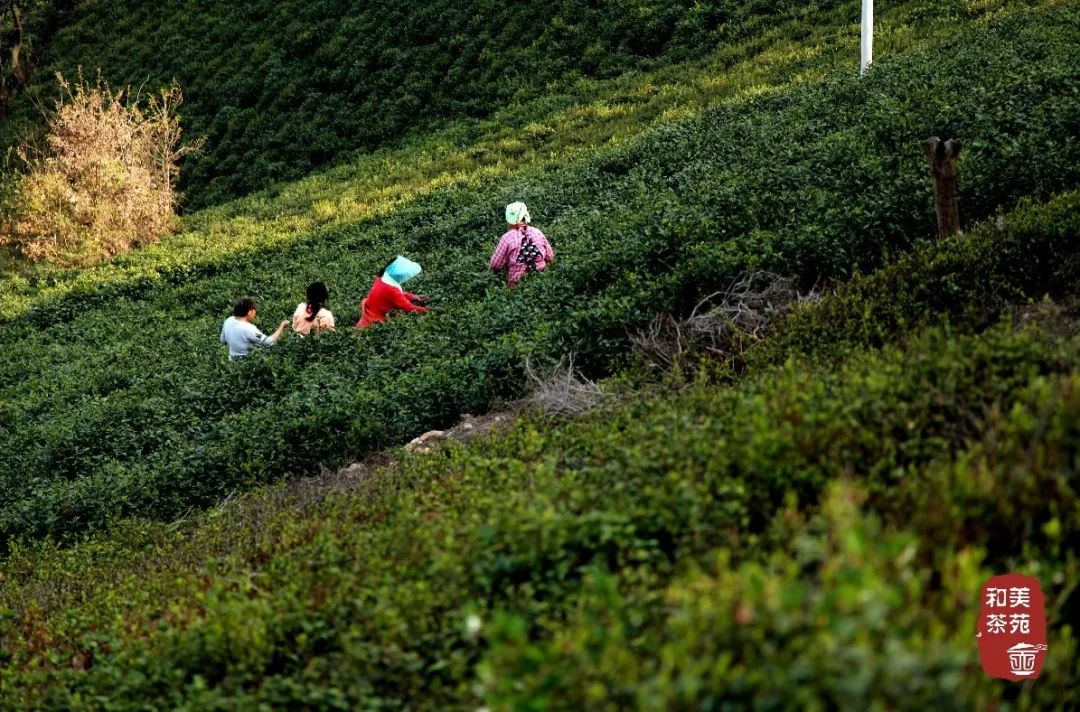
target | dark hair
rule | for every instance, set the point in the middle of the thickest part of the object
(317, 296)
(241, 307)
(383, 270)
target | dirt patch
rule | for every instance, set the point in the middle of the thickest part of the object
(470, 426)
(359, 474)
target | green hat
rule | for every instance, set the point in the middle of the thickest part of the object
(517, 213)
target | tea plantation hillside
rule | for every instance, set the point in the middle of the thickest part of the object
(804, 523)
(281, 87)
(812, 535)
(115, 398)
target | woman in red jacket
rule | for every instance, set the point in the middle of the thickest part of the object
(386, 294)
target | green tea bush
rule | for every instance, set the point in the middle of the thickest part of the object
(851, 615)
(116, 399)
(971, 279)
(280, 88)
(815, 535)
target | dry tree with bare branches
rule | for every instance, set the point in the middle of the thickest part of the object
(105, 181)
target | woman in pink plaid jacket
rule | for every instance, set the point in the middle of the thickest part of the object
(522, 248)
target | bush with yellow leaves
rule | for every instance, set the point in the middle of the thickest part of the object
(104, 183)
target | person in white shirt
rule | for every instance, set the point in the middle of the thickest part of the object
(241, 334)
(312, 315)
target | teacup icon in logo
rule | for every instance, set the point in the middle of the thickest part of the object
(1022, 658)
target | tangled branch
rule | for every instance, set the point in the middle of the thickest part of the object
(723, 324)
(561, 390)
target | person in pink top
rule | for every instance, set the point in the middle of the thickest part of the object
(523, 248)
(312, 314)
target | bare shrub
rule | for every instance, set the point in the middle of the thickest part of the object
(105, 182)
(663, 343)
(722, 325)
(561, 390)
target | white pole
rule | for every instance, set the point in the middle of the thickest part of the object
(867, 35)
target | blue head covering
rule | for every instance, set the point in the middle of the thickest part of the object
(400, 271)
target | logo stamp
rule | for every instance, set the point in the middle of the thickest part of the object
(1012, 627)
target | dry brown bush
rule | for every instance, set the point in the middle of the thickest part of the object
(561, 389)
(105, 182)
(722, 326)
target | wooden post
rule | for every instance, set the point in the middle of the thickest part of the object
(942, 156)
